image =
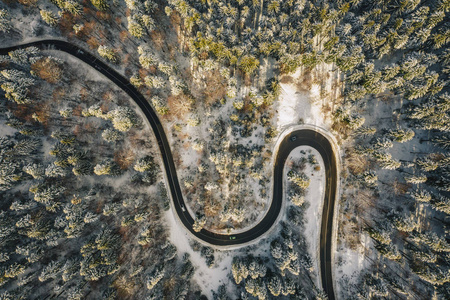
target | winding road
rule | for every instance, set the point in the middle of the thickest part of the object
(307, 137)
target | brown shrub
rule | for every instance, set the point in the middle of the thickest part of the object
(124, 158)
(356, 163)
(215, 88)
(27, 2)
(47, 69)
(304, 82)
(180, 105)
(93, 43)
(287, 79)
(124, 35)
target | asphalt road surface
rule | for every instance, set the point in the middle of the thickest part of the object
(303, 137)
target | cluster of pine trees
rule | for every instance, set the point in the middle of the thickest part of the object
(66, 222)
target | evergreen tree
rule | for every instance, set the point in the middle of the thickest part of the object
(100, 4)
(35, 170)
(427, 164)
(155, 277)
(421, 195)
(300, 179)
(144, 164)
(199, 223)
(108, 53)
(155, 82)
(442, 204)
(72, 6)
(275, 285)
(14, 270)
(50, 271)
(297, 200)
(146, 58)
(111, 135)
(442, 141)
(93, 111)
(134, 27)
(248, 64)
(401, 135)
(49, 17)
(107, 167)
(159, 105)
(123, 118)
(416, 179)
(5, 22)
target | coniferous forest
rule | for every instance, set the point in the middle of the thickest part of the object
(86, 211)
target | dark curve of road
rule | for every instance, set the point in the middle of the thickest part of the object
(303, 137)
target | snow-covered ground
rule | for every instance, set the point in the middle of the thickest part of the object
(314, 198)
(300, 103)
(208, 279)
(349, 265)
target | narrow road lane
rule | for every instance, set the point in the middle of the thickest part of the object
(306, 137)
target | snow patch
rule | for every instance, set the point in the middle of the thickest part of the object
(208, 279)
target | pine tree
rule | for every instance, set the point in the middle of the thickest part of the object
(390, 164)
(435, 242)
(442, 141)
(193, 121)
(49, 17)
(427, 164)
(389, 251)
(66, 112)
(100, 4)
(70, 269)
(414, 179)
(275, 285)
(75, 293)
(72, 6)
(47, 194)
(297, 200)
(159, 105)
(134, 27)
(405, 224)
(108, 53)
(50, 271)
(35, 170)
(5, 22)
(421, 195)
(221, 293)
(248, 64)
(379, 234)
(111, 135)
(104, 168)
(299, 179)
(442, 204)
(370, 178)
(239, 269)
(155, 82)
(26, 147)
(145, 164)
(14, 270)
(166, 68)
(366, 131)
(170, 251)
(136, 80)
(198, 224)
(93, 111)
(123, 118)
(154, 278)
(146, 57)
(401, 135)
(435, 276)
